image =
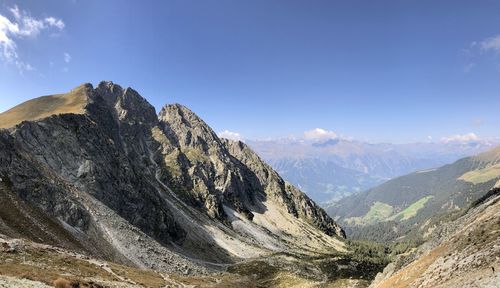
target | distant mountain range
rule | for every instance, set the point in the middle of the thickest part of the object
(330, 169)
(405, 206)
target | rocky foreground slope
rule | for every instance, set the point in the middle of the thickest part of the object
(98, 172)
(461, 253)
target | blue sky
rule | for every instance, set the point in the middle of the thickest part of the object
(394, 71)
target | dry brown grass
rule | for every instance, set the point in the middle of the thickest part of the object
(42, 107)
(146, 278)
(60, 270)
(408, 275)
(46, 266)
(64, 283)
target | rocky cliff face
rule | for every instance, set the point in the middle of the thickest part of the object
(160, 191)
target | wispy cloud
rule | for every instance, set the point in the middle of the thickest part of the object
(318, 133)
(491, 44)
(22, 25)
(67, 57)
(478, 48)
(55, 22)
(460, 138)
(231, 135)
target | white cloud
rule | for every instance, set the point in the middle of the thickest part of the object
(492, 43)
(67, 57)
(319, 133)
(460, 138)
(23, 25)
(231, 135)
(51, 21)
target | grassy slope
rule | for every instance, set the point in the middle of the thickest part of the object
(378, 212)
(42, 107)
(412, 210)
(482, 175)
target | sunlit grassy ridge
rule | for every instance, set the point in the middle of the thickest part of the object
(73, 102)
(482, 175)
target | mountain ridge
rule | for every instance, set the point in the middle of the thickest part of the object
(157, 189)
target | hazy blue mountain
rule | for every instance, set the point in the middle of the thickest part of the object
(324, 180)
(330, 169)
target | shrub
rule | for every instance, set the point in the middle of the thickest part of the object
(63, 283)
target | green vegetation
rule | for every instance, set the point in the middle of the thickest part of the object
(380, 253)
(482, 175)
(411, 211)
(361, 264)
(374, 252)
(378, 212)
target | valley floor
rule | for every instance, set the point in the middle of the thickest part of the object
(28, 264)
(464, 252)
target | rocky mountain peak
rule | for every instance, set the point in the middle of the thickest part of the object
(109, 91)
(112, 170)
(128, 104)
(190, 130)
(179, 115)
